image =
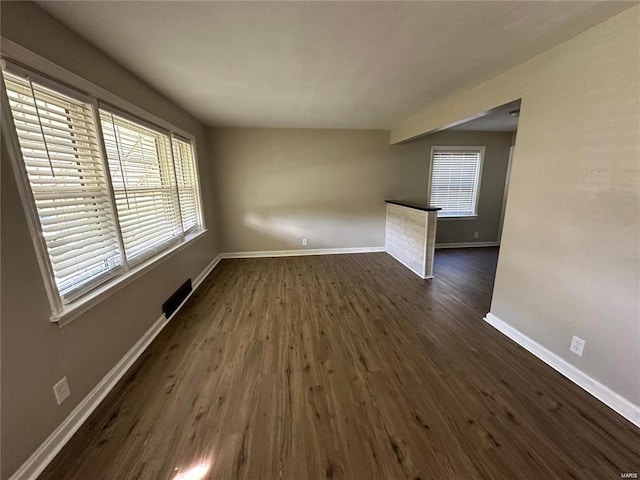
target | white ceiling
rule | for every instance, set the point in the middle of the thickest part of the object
(321, 64)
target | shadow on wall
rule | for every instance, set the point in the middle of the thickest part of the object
(329, 224)
(281, 186)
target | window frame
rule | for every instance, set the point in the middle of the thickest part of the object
(132, 261)
(197, 202)
(458, 148)
(92, 187)
(18, 60)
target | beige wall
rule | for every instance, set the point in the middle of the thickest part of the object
(568, 263)
(35, 354)
(277, 186)
(570, 257)
(409, 169)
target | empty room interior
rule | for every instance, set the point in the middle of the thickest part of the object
(307, 239)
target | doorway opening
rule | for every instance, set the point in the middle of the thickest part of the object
(468, 177)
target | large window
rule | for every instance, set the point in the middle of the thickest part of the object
(454, 185)
(108, 190)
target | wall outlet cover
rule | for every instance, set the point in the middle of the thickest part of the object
(61, 390)
(577, 345)
(304, 242)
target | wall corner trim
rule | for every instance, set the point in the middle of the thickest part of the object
(46, 452)
(467, 245)
(607, 396)
(302, 252)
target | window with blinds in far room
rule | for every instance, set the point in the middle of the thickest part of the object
(455, 180)
(107, 191)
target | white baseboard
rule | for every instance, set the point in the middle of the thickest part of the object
(607, 396)
(205, 273)
(467, 245)
(302, 252)
(46, 452)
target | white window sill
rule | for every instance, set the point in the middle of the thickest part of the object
(462, 217)
(73, 310)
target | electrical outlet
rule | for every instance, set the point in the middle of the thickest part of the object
(304, 242)
(61, 390)
(476, 234)
(577, 345)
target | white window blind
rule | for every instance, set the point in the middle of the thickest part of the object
(144, 186)
(455, 180)
(104, 191)
(187, 183)
(60, 148)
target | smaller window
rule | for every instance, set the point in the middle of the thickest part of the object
(454, 184)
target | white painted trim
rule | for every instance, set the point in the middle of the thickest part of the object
(73, 310)
(302, 252)
(46, 452)
(450, 218)
(426, 246)
(448, 148)
(467, 244)
(607, 396)
(204, 274)
(432, 219)
(21, 60)
(59, 75)
(23, 56)
(10, 136)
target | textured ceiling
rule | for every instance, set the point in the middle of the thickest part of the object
(321, 64)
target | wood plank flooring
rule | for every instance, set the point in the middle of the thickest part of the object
(346, 366)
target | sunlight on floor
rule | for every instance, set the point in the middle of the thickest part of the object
(194, 473)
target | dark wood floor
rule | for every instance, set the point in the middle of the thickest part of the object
(346, 366)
